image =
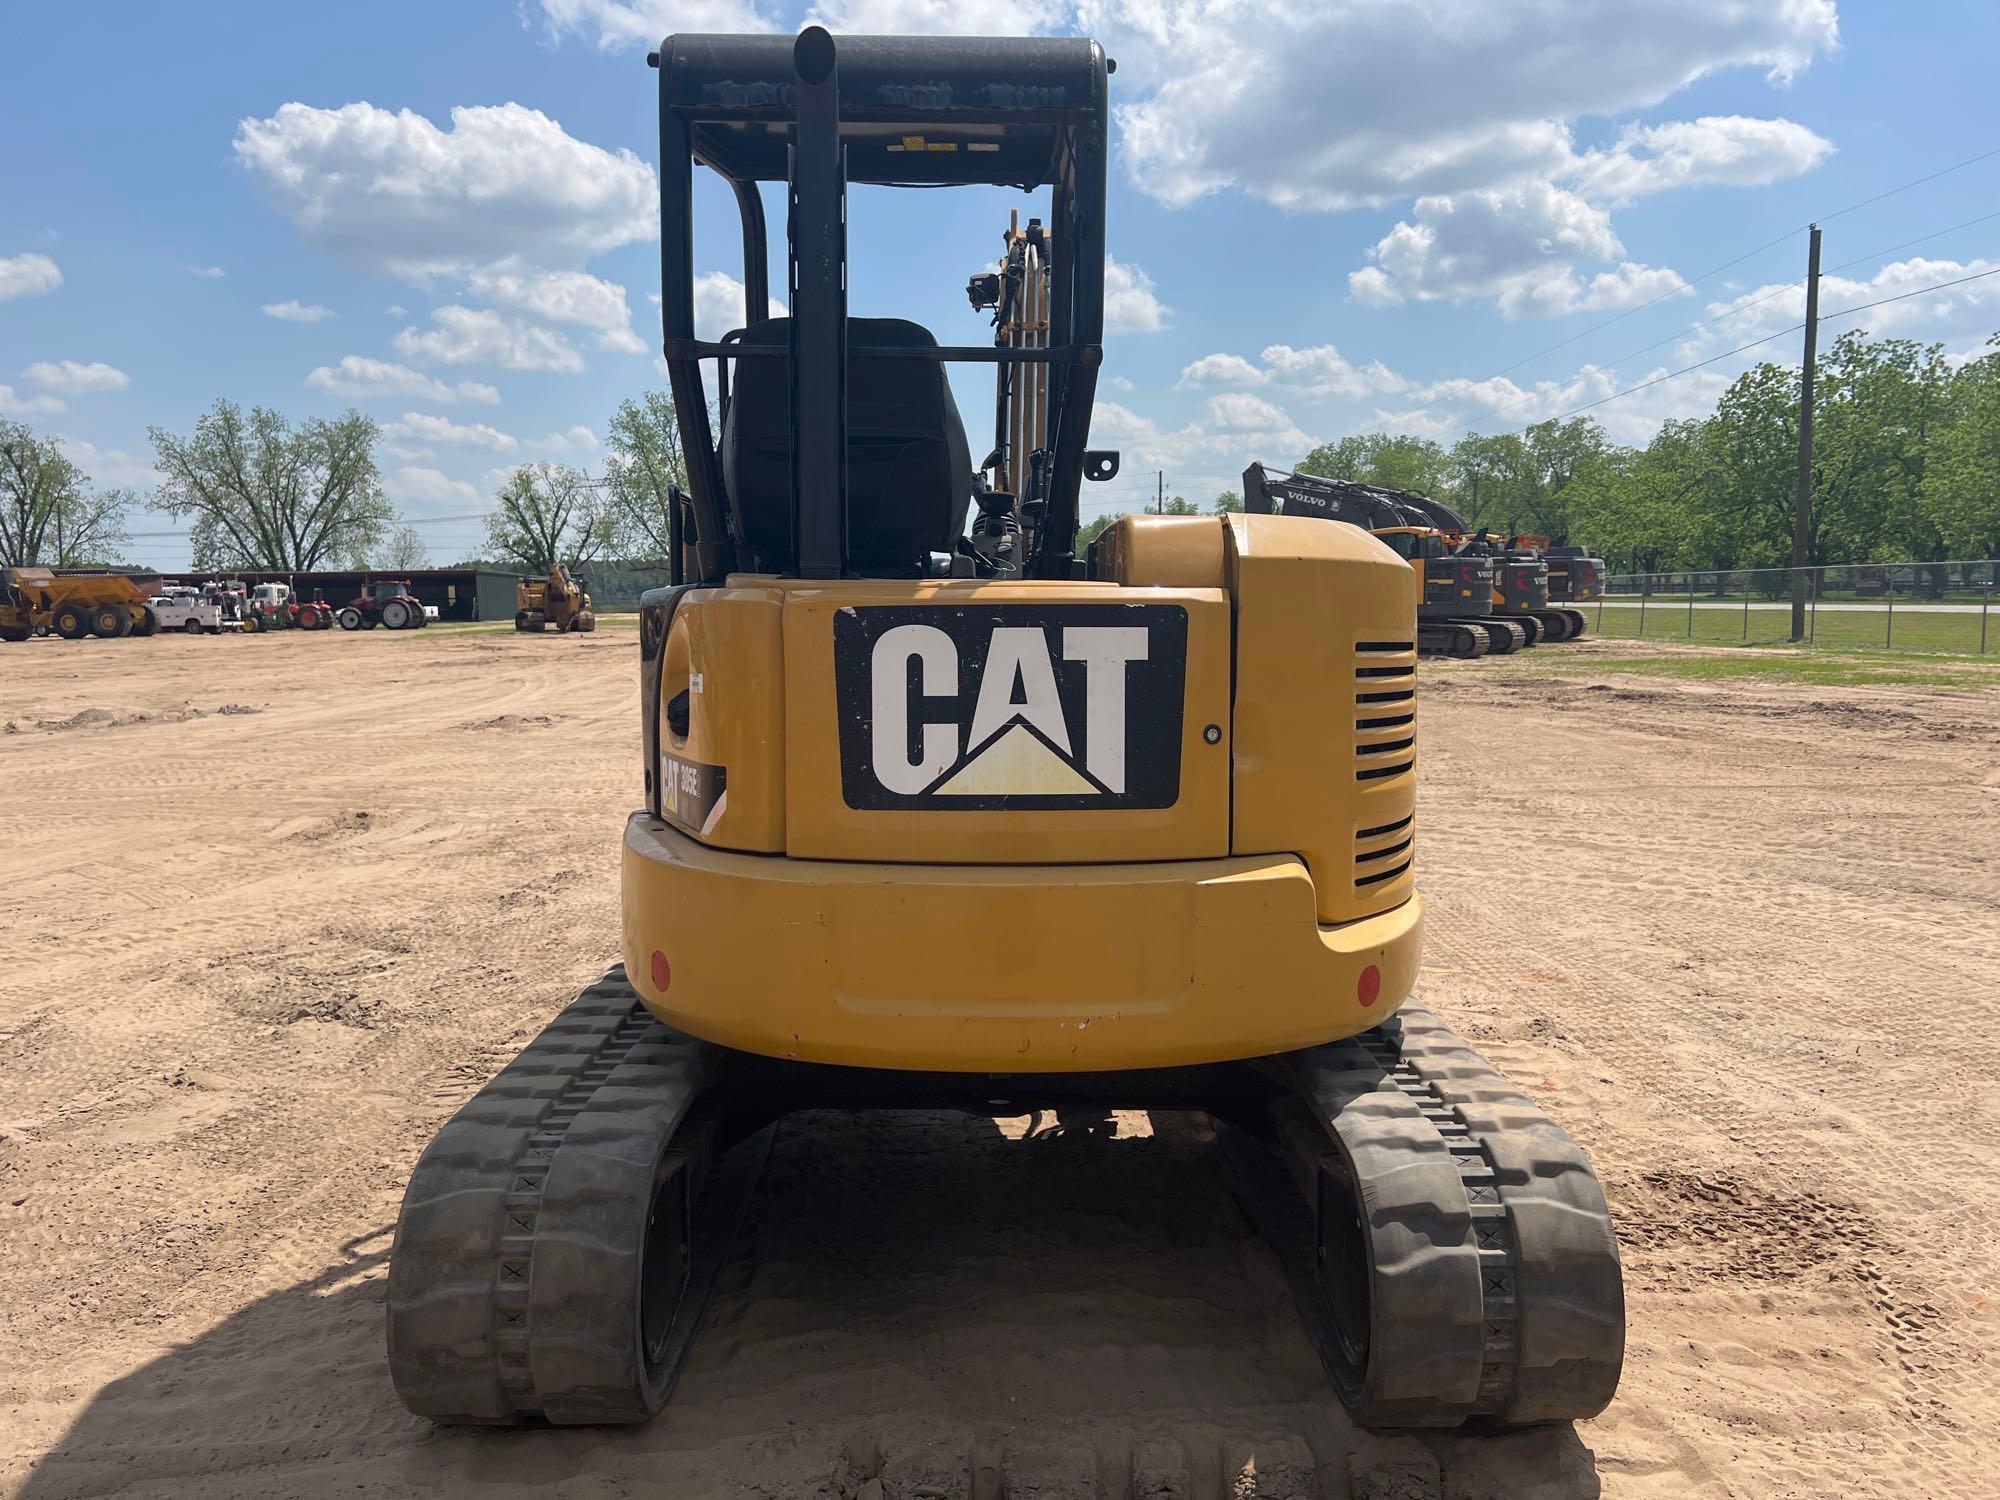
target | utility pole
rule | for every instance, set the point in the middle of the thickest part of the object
(1160, 500)
(1802, 502)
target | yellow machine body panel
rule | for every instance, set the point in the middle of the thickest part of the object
(725, 652)
(1162, 816)
(1000, 968)
(1326, 705)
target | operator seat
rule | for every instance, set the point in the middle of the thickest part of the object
(909, 471)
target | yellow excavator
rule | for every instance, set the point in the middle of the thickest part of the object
(943, 815)
(557, 601)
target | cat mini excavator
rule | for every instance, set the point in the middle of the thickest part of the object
(929, 823)
(1456, 593)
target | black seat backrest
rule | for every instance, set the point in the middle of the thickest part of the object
(909, 472)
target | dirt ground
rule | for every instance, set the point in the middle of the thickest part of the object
(270, 909)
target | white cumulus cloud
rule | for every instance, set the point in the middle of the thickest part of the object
(291, 310)
(1130, 303)
(1208, 454)
(111, 465)
(1518, 246)
(413, 482)
(480, 336)
(616, 24)
(718, 305)
(75, 379)
(575, 439)
(1223, 369)
(937, 18)
(359, 377)
(1713, 151)
(1319, 370)
(421, 427)
(27, 275)
(391, 192)
(1956, 311)
(574, 297)
(15, 405)
(1324, 104)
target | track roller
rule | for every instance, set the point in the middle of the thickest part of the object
(1447, 1244)
(562, 1231)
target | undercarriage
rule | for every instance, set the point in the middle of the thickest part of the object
(1447, 1244)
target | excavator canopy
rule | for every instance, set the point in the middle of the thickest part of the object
(840, 451)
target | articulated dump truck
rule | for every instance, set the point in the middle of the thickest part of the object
(942, 815)
(37, 601)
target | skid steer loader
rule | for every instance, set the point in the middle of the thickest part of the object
(931, 822)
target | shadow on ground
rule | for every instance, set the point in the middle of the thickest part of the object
(921, 1307)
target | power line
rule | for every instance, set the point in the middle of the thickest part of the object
(1748, 254)
(418, 521)
(1754, 343)
(1723, 317)
(1919, 240)
(1936, 286)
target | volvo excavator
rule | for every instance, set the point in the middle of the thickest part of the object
(1456, 591)
(935, 822)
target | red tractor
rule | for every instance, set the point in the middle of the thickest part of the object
(389, 603)
(271, 606)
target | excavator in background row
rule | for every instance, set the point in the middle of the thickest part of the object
(1530, 576)
(950, 817)
(1457, 595)
(556, 601)
(1518, 610)
(1575, 577)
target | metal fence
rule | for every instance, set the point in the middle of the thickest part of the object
(615, 586)
(1942, 607)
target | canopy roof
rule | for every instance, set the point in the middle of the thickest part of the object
(913, 110)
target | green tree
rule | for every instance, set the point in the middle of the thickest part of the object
(1398, 463)
(49, 516)
(1637, 513)
(1960, 491)
(1227, 503)
(1875, 409)
(549, 513)
(263, 495)
(1095, 527)
(643, 466)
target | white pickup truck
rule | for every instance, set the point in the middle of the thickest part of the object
(188, 612)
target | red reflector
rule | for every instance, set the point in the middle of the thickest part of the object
(663, 974)
(1367, 989)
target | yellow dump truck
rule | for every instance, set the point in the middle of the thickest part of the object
(34, 601)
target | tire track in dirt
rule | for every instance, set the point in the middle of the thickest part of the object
(247, 1007)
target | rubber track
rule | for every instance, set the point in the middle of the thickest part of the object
(513, 1280)
(1504, 635)
(1450, 638)
(1497, 1291)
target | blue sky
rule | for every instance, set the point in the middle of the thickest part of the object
(1325, 217)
